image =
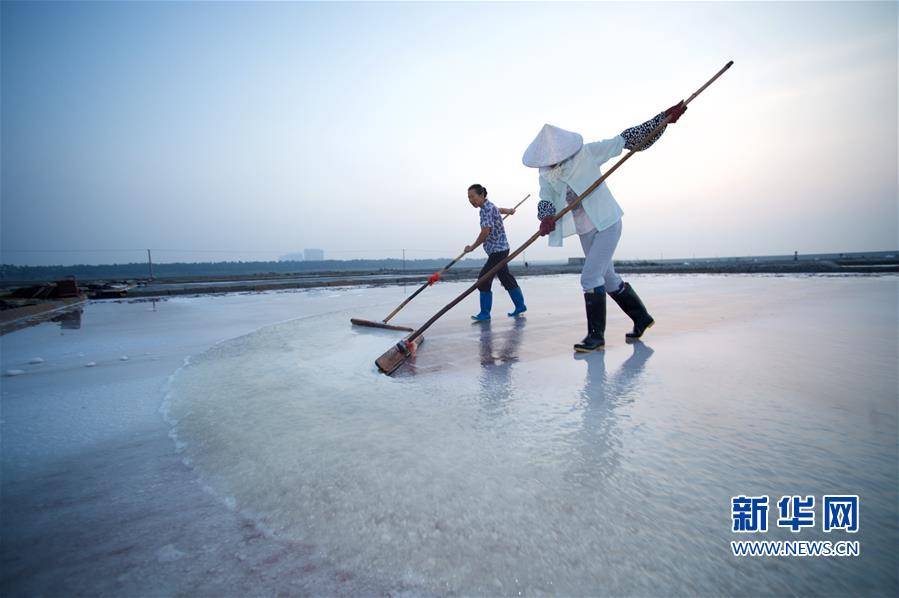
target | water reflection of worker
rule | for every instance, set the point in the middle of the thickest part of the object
(496, 366)
(597, 384)
(602, 395)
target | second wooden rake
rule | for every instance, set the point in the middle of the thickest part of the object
(434, 278)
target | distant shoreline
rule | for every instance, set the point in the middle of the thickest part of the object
(180, 286)
(11, 275)
(417, 273)
(23, 312)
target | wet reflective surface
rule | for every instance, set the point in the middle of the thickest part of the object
(499, 461)
(69, 319)
(496, 462)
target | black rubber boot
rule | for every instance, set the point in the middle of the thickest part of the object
(596, 322)
(630, 303)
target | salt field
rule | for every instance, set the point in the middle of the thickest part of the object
(245, 444)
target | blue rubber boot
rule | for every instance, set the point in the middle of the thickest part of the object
(518, 300)
(486, 304)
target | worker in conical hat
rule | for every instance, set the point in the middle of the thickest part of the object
(568, 167)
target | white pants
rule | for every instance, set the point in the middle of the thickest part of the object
(599, 247)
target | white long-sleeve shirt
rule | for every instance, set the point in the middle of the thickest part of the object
(565, 183)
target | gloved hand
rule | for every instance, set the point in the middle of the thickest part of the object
(675, 112)
(547, 225)
(433, 278)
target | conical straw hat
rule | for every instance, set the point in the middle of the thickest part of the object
(551, 146)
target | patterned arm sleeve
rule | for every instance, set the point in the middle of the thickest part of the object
(545, 208)
(634, 136)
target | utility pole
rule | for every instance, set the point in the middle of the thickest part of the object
(150, 263)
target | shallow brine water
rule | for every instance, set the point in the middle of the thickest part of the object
(499, 462)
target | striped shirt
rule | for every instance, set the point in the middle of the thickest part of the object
(496, 241)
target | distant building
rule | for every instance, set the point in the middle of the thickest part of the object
(313, 255)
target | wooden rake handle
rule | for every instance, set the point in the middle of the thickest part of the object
(570, 207)
(646, 140)
(445, 268)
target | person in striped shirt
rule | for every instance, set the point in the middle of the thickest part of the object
(493, 236)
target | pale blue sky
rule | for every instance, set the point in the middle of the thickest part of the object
(250, 130)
